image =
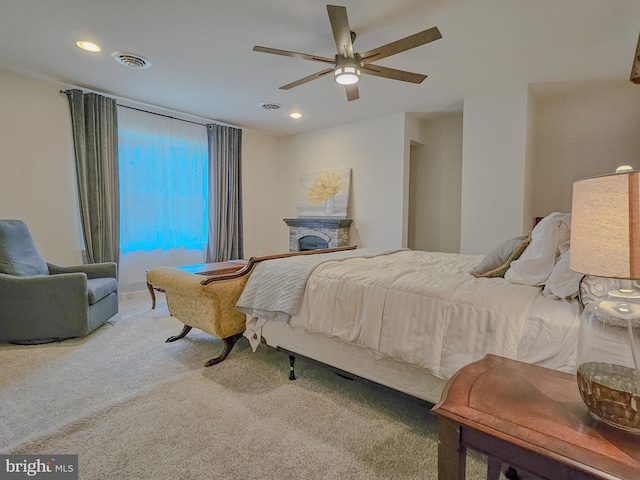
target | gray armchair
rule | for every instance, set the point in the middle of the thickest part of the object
(41, 302)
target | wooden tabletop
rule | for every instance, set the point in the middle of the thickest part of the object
(539, 410)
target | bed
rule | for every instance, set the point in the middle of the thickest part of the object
(410, 319)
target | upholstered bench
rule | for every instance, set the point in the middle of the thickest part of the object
(206, 303)
(209, 304)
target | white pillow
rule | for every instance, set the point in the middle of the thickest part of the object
(537, 261)
(563, 282)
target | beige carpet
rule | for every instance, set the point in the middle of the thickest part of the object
(134, 407)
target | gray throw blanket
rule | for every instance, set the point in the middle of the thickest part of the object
(274, 289)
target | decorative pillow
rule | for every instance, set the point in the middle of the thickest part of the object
(497, 261)
(563, 282)
(549, 239)
(594, 288)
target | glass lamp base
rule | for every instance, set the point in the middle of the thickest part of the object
(612, 394)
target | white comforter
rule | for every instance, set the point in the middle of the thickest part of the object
(274, 290)
(422, 308)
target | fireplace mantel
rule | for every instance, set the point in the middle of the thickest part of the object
(318, 222)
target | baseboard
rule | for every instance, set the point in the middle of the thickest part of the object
(132, 295)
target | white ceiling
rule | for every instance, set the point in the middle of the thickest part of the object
(203, 63)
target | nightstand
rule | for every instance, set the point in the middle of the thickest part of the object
(531, 418)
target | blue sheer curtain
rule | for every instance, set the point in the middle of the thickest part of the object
(163, 192)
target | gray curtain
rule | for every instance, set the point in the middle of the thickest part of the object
(225, 193)
(94, 124)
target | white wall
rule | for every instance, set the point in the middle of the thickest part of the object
(413, 136)
(581, 130)
(374, 150)
(260, 194)
(435, 186)
(528, 213)
(37, 173)
(493, 165)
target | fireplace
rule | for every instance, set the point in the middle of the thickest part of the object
(312, 233)
(312, 242)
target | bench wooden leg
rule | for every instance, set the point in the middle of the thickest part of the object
(184, 331)
(229, 342)
(153, 295)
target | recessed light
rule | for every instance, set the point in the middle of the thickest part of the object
(295, 115)
(88, 46)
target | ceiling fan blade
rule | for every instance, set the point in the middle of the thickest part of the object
(392, 73)
(352, 92)
(287, 53)
(401, 45)
(306, 79)
(341, 30)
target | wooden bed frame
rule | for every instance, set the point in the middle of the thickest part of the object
(248, 268)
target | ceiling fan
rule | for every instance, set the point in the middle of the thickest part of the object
(349, 65)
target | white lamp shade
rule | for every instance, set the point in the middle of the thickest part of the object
(605, 226)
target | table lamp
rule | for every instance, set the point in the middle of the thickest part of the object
(605, 242)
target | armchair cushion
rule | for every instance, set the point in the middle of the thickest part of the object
(18, 253)
(98, 288)
(91, 270)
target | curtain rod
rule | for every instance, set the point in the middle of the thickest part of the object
(161, 114)
(153, 106)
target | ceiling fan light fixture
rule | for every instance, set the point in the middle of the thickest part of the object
(347, 75)
(347, 71)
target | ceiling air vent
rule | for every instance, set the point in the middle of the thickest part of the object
(131, 60)
(270, 106)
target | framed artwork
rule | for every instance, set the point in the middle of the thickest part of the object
(325, 193)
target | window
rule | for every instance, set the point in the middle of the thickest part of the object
(163, 193)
